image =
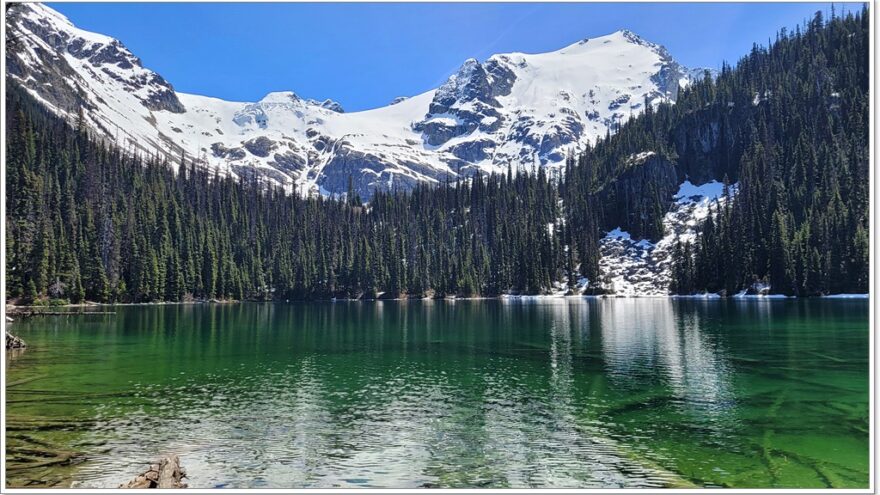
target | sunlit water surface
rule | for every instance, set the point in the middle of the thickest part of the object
(537, 393)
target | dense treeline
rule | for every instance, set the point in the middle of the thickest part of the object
(801, 217)
(89, 222)
(789, 124)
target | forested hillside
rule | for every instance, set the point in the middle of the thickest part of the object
(87, 222)
(789, 124)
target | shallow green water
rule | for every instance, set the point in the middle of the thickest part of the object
(553, 392)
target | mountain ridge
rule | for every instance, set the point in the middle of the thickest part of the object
(512, 110)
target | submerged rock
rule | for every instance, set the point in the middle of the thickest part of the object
(14, 342)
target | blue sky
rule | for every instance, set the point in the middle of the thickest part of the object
(364, 55)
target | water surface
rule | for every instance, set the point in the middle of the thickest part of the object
(537, 393)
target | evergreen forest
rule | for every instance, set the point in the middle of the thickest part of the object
(788, 124)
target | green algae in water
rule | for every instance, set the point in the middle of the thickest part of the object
(540, 393)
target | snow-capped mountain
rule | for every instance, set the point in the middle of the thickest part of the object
(515, 109)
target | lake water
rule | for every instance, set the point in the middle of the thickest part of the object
(512, 393)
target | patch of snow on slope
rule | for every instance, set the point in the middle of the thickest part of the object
(640, 268)
(628, 268)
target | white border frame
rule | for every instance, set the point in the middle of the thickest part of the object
(871, 310)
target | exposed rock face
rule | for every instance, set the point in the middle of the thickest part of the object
(618, 102)
(501, 76)
(464, 103)
(51, 75)
(164, 99)
(369, 172)
(290, 161)
(260, 146)
(329, 105)
(470, 83)
(473, 151)
(220, 151)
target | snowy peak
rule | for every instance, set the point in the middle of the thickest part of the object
(53, 20)
(514, 110)
(469, 83)
(533, 110)
(633, 38)
(329, 105)
(599, 46)
(73, 58)
(287, 97)
(280, 97)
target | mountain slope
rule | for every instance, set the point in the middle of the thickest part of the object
(789, 126)
(513, 110)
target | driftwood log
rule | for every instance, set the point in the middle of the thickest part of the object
(13, 342)
(166, 473)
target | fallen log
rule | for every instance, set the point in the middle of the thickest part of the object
(167, 473)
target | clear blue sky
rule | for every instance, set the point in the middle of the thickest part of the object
(364, 55)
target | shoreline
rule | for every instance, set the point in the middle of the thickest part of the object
(11, 309)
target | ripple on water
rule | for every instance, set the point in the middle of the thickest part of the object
(411, 428)
(594, 394)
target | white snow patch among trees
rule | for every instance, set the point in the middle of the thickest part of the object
(638, 268)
